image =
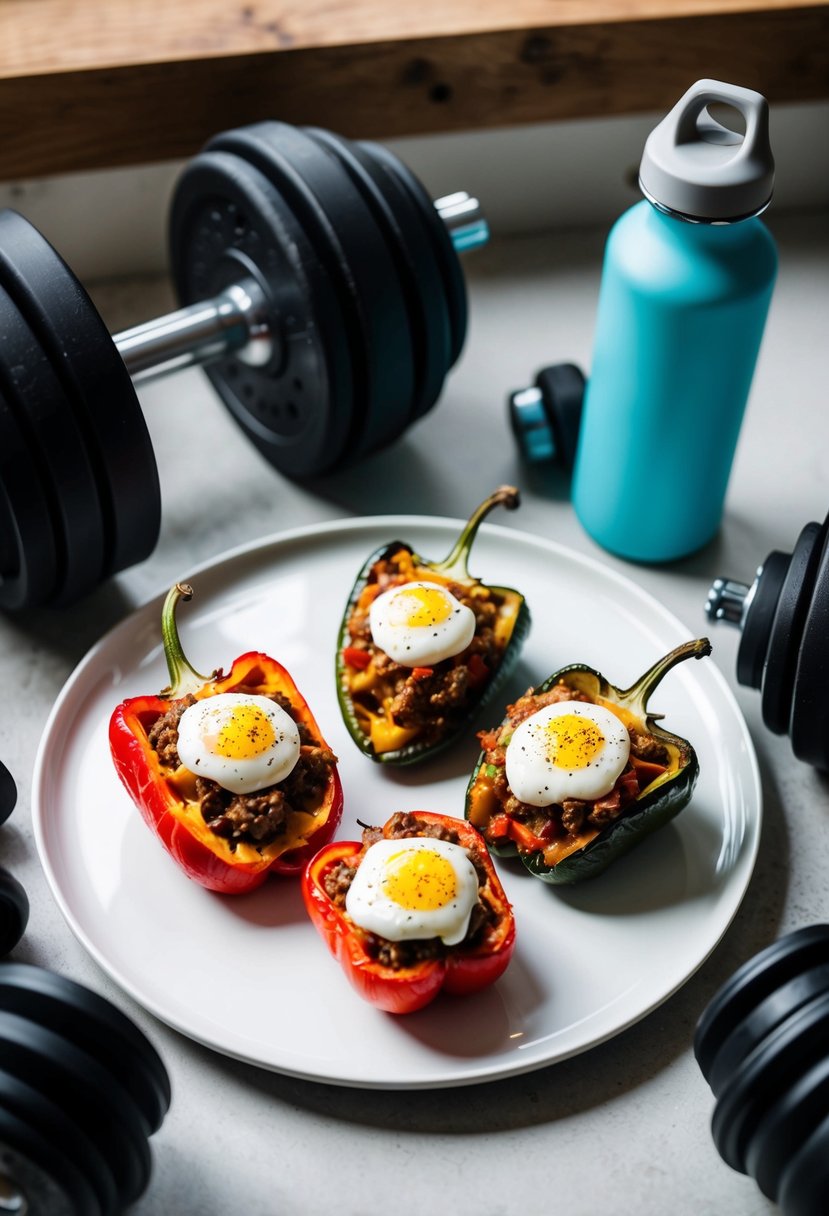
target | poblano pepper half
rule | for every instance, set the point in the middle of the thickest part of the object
(578, 837)
(423, 645)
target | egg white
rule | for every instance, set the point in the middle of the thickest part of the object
(370, 906)
(539, 779)
(420, 645)
(200, 751)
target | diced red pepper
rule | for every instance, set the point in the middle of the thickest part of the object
(422, 673)
(356, 658)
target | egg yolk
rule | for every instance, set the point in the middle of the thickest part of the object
(246, 733)
(572, 742)
(424, 606)
(420, 881)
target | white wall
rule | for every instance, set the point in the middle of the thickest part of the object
(528, 178)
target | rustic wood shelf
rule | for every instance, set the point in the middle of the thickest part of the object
(117, 82)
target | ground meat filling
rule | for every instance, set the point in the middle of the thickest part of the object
(259, 818)
(573, 815)
(431, 704)
(398, 955)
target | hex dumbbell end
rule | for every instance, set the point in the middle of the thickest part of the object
(546, 417)
(783, 617)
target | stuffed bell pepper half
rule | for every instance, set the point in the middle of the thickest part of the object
(229, 771)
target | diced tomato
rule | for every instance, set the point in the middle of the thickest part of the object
(354, 657)
(422, 673)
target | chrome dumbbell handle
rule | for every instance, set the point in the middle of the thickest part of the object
(239, 319)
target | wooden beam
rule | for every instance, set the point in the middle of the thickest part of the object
(94, 85)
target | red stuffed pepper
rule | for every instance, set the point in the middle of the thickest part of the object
(415, 909)
(230, 771)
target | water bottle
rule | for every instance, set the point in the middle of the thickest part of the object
(686, 286)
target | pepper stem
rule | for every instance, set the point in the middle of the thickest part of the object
(183, 677)
(455, 565)
(637, 696)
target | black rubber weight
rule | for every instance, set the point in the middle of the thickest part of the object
(417, 274)
(805, 1183)
(58, 451)
(773, 1067)
(96, 1027)
(786, 1126)
(347, 241)
(8, 789)
(97, 386)
(14, 912)
(46, 1121)
(30, 560)
(450, 269)
(807, 726)
(787, 628)
(86, 1092)
(300, 412)
(754, 642)
(752, 983)
(780, 1004)
(47, 1176)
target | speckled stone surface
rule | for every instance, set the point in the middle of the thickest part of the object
(623, 1128)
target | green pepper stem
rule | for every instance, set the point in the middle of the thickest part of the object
(183, 676)
(455, 565)
(637, 696)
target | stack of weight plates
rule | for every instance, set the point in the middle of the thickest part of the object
(763, 1047)
(81, 1092)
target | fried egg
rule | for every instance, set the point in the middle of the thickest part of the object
(242, 741)
(572, 749)
(414, 888)
(420, 623)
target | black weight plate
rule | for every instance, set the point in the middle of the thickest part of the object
(417, 272)
(299, 411)
(787, 627)
(786, 1126)
(754, 642)
(47, 1120)
(86, 1092)
(31, 568)
(760, 1021)
(348, 242)
(751, 983)
(46, 1177)
(807, 727)
(8, 793)
(805, 1184)
(765, 1075)
(58, 449)
(96, 1027)
(97, 386)
(447, 259)
(14, 912)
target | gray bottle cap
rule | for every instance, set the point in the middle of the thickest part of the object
(695, 167)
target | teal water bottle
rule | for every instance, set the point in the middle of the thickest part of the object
(686, 285)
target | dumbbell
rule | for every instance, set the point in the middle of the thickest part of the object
(761, 1044)
(784, 648)
(81, 1087)
(320, 288)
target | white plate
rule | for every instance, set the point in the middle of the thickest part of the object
(248, 976)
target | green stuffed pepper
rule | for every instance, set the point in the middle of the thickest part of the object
(423, 646)
(579, 772)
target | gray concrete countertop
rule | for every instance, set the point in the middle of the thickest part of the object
(624, 1127)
